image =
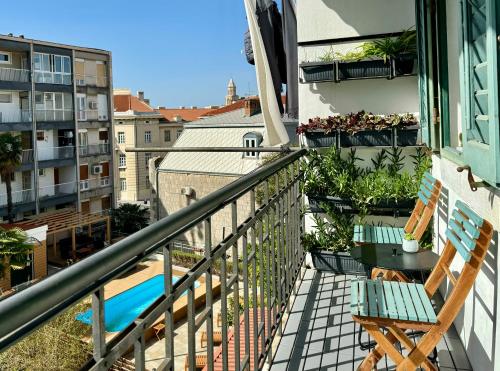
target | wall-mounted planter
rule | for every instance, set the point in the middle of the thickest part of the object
(338, 262)
(318, 139)
(370, 69)
(367, 138)
(407, 137)
(317, 72)
(404, 64)
(345, 206)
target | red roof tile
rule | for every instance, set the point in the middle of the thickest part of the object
(125, 103)
(232, 107)
(187, 114)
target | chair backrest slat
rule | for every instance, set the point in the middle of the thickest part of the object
(426, 192)
(429, 178)
(468, 226)
(457, 244)
(470, 214)
(424, 199)
(457, 228)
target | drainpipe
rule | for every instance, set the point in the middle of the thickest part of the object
(77, 139)
(157, 170)
(33, 130)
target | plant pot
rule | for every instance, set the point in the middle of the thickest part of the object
(318, 139)
(404, 64)
(317, 72)
(363, 70)
(367, 138)
(407, 136)
(338, 262)
(410, 246)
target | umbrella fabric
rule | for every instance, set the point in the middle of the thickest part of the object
(275, 130)
(292, 59)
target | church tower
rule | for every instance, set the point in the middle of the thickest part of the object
(231, 96)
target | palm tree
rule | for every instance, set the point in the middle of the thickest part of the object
(14, 250)
(129, 218)
(10, 159)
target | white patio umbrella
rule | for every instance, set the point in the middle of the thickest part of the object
(275, 129)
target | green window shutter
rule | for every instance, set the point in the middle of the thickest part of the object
(481, 134)
(423, 70)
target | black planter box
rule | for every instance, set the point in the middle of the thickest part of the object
(367, 138)
(338, 262)
(404, 64)
(363, 70)
(345, 206)
(318, 71)
(407, 137)
(318, 139)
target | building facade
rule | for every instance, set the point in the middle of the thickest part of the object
(137, 125)
(58, 99)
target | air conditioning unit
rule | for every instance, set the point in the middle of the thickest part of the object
(80, 82)
(96, 169)
(93, 105)
(103, 117)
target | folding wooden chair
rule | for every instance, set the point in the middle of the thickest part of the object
(398, 306)
(428, 195)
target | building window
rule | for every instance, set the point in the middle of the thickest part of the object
(167, 136)
(40, 135)
(123, 161)
(41, 172)
(148, 185)
(5, 98)
(147, 157)
(250, 143)
(52, 69)
(179, 132)
(147, 137)
(5, 58)
(121, 137)
(123, 184)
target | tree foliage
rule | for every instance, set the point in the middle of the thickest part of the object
(10, 159)
(129, 218)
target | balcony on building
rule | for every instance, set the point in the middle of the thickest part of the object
(57, 194)
(15, 110)
(14, 65)
(90, 73)
(52, 68)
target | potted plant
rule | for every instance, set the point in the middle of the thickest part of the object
(320, 71)
(410, 244)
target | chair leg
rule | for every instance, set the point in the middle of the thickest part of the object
(385, 344)
(427, 365)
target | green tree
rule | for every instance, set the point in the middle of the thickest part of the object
(129, 218)
(14, 250)
(10, 159)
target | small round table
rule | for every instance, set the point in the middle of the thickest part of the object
(391, 257)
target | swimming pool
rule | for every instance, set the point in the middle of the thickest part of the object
(122, 309)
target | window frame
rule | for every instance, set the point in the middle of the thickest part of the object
(119, 137)
(9, 94)
(123, 184)
(247, 143)
(167, 138)
(9, 57)
(147, 136)
(147, 156)
(122, 161)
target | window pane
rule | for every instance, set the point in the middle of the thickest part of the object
(68, 101)
(59, 101)
(57, 63)
(45, 62)
(66, 65)
(4, 58)
(5, 98)
(37, 59)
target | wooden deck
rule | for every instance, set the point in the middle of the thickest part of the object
(321, 335)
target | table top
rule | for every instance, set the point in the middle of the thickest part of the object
(392, 257)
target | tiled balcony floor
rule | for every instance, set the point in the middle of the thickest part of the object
(321, 335)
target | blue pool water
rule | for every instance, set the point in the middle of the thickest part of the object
(122, 309)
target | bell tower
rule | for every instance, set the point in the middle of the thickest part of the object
(231, 96)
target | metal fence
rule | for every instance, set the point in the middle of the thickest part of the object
(259, 262)
(94, 149)
(14, 74)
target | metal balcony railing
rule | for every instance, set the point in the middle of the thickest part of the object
(54, 115)
(91, 80)
(14, 74)
(58, 78)
(91, 115)
(19, 197)
(268, 239)
(94, 149)
(16, 116)
(61, 189)
(56, 153)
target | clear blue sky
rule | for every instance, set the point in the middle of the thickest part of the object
(180, 52)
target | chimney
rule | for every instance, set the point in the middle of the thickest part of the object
(146, 101)
(140, 96)
(252, 106)
(161, 107)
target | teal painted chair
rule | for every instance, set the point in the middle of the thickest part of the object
(428, 195)
(400, 306)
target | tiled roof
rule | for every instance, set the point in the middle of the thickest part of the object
(187, 114)
(124, 103)
(236, 117)
(232, 107)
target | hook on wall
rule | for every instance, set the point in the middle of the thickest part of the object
(472, 183)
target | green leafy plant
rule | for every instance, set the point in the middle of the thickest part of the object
(391, 47)
(129, 218)
(396, 161)
(409, 237)
(14, 250)
(10, 159)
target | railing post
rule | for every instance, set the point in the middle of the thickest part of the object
(139, 353)
(209, 299)
(269, 269)
(191, 329)
(169, 318)
(246, 301)
(223, 291)
(256, 304)
(279, 251)
(236, 290)
(98, 326)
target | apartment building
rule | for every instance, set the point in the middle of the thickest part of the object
(138, 125)
(57, 98)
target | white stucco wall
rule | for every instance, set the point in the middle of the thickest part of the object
(477, 322)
